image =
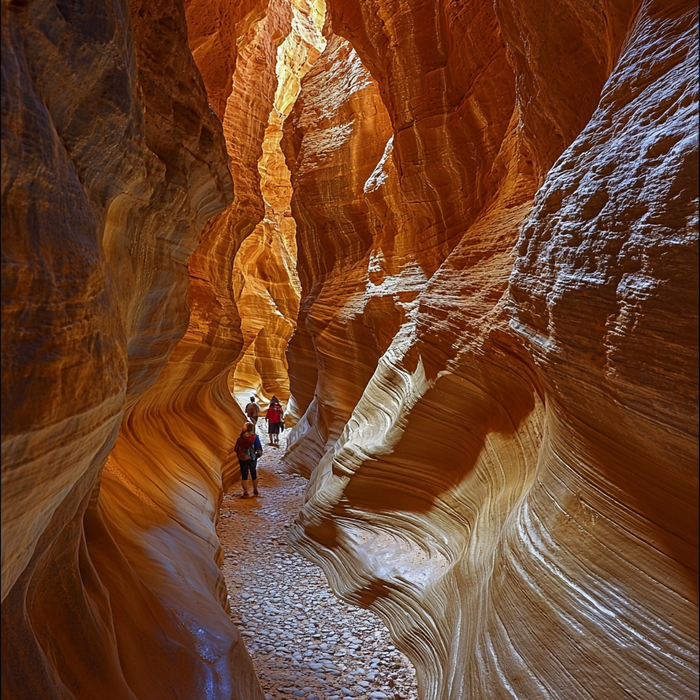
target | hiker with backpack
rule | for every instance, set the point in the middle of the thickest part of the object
(275, 421)
(252, 410)
(248, 449)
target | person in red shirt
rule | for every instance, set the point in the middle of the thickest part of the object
(274, 417)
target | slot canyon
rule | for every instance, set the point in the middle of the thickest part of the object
(457, 238)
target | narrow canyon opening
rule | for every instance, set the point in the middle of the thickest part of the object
(458, 241)
(266, 283)
(303, 643)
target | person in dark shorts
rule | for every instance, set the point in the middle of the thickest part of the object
(252, 410)
(274, 416)
(248, 449)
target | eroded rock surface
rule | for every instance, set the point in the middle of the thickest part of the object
(522, 538)
(113, 161)
(266, 286)
(174, 455)
(494, 369)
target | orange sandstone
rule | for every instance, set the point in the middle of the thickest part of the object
(497, 466)
(482, 220)
(114, 162)
(266, 287)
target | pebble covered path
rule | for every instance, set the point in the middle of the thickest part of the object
(304, 642)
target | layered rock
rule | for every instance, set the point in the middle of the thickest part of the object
(495, 209)
(605, 292)
(174, 455)
(113, 163)
(472, 443)
(173, 458)
(213, 32)
(335, 234)
(266, 287)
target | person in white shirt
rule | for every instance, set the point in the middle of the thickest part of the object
(252, 410)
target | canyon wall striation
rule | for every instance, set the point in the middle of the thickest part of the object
(266, 287)
(496, 356)
(478, 220)
(174, 455)
(116, 167)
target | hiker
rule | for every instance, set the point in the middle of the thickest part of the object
(275, 421)
(248, 449)
(252, 410)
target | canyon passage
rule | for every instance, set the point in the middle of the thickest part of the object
(458, 240)
(302, 640)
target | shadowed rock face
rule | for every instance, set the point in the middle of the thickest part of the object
(496, 351)
(112, 163)
(494, 368)
(174, 455)
(84, 243)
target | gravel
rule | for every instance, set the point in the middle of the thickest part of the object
(304, 642)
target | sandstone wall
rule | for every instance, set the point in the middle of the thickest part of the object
(113, 162)
(494, 369)
(266, 286)
(334, 231)
(174, 457)
(498, 467)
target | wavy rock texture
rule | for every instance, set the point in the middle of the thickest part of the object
(173, 457)
(335, 231)
(213, 31)
(498, 466)
(494, 368)
(113, 163)
(266, 287)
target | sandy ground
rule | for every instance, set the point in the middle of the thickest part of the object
(304, 642)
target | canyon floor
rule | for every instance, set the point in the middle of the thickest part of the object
(304, 642)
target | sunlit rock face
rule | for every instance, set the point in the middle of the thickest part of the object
(174, 456)
(495, 222)
(497, 344)
(113, 161)
(339, 113)
(213, 30)
(266, 287)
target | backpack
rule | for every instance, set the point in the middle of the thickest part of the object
(245, 453)
(252, 410)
